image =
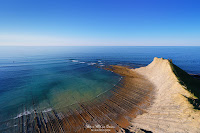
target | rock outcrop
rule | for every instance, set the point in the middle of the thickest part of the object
(170, 111)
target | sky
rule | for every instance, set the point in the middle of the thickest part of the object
(99, 22)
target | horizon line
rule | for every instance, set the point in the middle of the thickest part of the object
(100, 46)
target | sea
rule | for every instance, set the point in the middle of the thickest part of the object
(45, 78)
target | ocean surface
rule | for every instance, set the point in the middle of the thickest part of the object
(46, 78)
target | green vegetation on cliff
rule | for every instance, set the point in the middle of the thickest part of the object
(192, 84)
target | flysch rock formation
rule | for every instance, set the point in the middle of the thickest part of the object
(170, 111)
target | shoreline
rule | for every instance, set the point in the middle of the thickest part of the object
(171, 111)
(115, 108)
(146, 99)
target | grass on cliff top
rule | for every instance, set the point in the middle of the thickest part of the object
(192, 84)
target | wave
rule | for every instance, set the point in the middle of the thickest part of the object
(47, 110)
(24, 114)
(82, 62)
(91, 64)
(74, 60)
(27, 112)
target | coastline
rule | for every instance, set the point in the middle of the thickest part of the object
(111, 111)
(146, 99)
(114, 108)
(171, 110)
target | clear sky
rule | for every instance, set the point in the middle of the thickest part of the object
(100, 22)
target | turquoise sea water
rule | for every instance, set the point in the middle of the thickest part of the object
(45, 78)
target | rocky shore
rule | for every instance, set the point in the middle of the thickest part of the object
(171, 110)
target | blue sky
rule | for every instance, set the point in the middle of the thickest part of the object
(100, 22)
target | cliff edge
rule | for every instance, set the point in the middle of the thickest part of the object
(171, 110)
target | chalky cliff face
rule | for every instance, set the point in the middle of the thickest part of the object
(171, 110)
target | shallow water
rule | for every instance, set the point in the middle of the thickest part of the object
(43, 78)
